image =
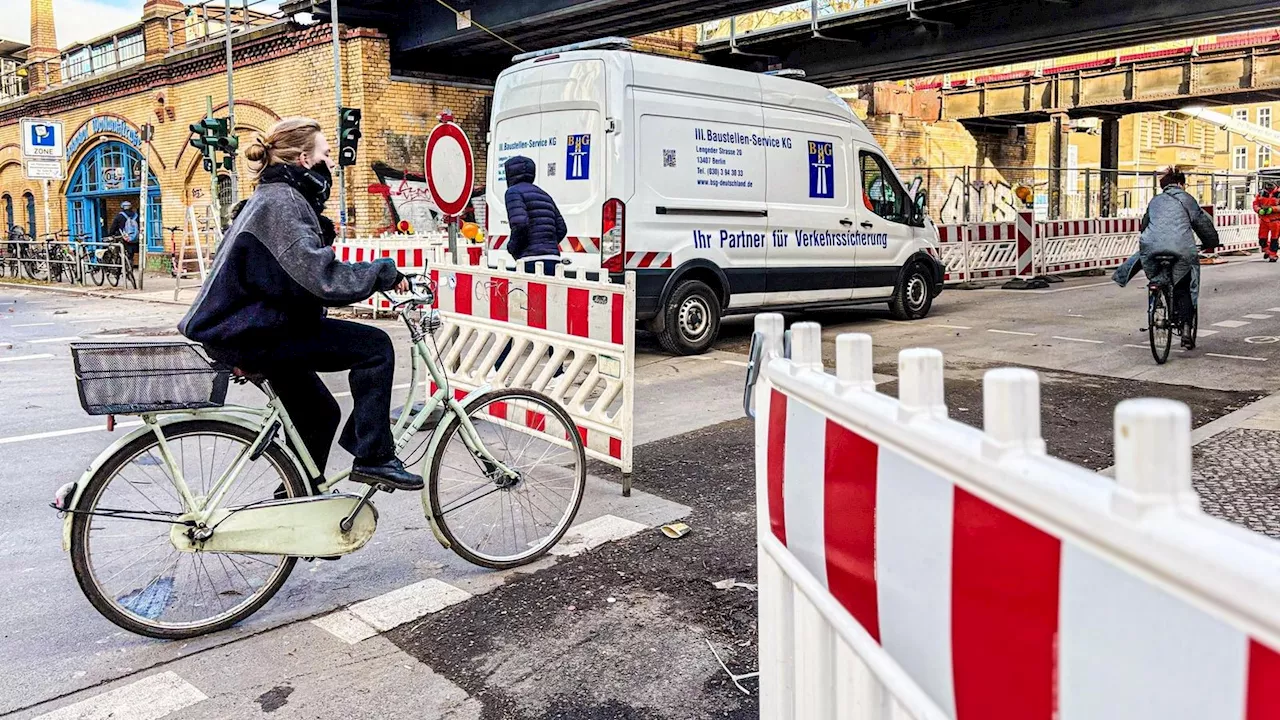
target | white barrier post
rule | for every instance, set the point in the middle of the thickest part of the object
(1011, 411)
(920, 383)
(775, 597)
(1153, 457)
(806, 346)
(854, 360)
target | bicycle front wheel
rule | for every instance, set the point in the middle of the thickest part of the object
(130, 570)
(489, 518)
(1159, 325)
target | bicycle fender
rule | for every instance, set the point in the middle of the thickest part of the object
(74, 501)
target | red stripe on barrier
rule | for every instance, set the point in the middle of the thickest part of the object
(417, 258)
(777, 462)
(459, 393)
(537, 305)
(498, 410)
(982, 233)
(615, 448)
(582, 433)
(535, 420)
(1262, 691)
(435, 283)
(849, 516)
(578, 322)
(462, 294)
(617, 301)
(359, 254)
(1004, 613)
(498, 299)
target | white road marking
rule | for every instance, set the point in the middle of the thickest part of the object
(1251, 316)
(1074, 316)
(1274, 310)
(55, 340)
(950, 327)
(150, 698)
(1140, 347)
(1236, 357)
(82, 322)
(1231, 323)
(345, 626)
(594, 533)
(106, 337)
(738, 363)
(16, 358)
(1079, 340)
(1011, 332)
(64, 433)
(1205, 333)
(38, 302)
(408, 603)
(32, 325)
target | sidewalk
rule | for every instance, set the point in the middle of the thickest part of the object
(159, 289)
(1235, 466)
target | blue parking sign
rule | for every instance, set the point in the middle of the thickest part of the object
(42, 135)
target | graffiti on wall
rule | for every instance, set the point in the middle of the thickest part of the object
(990, 201)
(407, 198)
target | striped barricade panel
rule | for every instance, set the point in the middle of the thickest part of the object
(584, 326)
(1002, 582)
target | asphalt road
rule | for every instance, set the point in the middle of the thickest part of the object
(620, 631)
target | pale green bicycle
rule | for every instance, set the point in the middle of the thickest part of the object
(192, 522)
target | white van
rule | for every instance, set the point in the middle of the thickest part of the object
(725, 191)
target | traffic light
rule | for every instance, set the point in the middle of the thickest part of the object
(207, 132)
(348, 135)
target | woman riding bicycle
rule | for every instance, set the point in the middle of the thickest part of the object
(1173, 221)
(262, 309)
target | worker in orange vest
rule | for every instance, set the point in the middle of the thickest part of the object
(1267, 205)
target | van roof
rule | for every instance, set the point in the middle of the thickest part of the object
(671, 74)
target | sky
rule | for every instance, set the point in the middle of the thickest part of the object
(78, 20)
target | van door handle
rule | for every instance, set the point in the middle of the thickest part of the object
(867, 225)
(846, 222)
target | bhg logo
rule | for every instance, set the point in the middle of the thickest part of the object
(822, 171)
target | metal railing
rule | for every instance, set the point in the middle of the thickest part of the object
(963, 194)
(793, 14)
(56, 258)
(208, 21)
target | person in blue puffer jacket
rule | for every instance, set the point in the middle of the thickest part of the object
(537, 227)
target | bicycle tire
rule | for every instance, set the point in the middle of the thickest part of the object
(80, 526)
(113, 276)
(1161, 338)
(96, 274)
(1195, 328)
(550, 408)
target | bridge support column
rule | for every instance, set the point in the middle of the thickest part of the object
(1110, 162)
(1059, 141)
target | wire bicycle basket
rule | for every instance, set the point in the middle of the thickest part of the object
(136, 378)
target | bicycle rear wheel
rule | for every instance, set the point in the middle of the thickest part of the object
(1159, 324)
(130, 570)
(494, 521)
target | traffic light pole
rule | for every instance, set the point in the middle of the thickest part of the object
(213, 174)
(337, 96)
(231, 104)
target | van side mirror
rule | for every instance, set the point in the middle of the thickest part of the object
(920, 207)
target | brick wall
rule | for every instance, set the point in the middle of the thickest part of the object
(277, 74)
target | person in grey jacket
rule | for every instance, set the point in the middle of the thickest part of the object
(1173, 221)
(262, 308)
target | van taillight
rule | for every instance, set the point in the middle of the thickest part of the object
(613, 235)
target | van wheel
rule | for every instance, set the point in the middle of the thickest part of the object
(912, 298)
(691, 319)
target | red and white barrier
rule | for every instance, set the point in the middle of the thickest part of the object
(980, 251)
(583, 325)
(914, 566)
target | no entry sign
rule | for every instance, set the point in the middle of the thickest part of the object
(449, 167)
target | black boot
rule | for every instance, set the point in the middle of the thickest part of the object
(389, 473)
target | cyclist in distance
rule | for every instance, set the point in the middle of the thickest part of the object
(1173, 221)
(262, 309)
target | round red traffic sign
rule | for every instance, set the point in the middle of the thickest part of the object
(449, 168)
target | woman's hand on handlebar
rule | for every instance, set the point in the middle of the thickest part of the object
(403, 285)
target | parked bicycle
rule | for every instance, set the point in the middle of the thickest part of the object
(62, 258)
(193, 521)
(11, 251)
(1164, 320)
(107, 262)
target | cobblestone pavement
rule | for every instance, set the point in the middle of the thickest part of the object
(1237, 475)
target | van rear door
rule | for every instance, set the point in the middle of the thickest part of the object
(560, 131)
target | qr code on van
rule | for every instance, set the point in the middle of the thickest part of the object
(668, 158)
(551, 169)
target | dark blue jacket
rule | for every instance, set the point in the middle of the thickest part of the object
(537, 227)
